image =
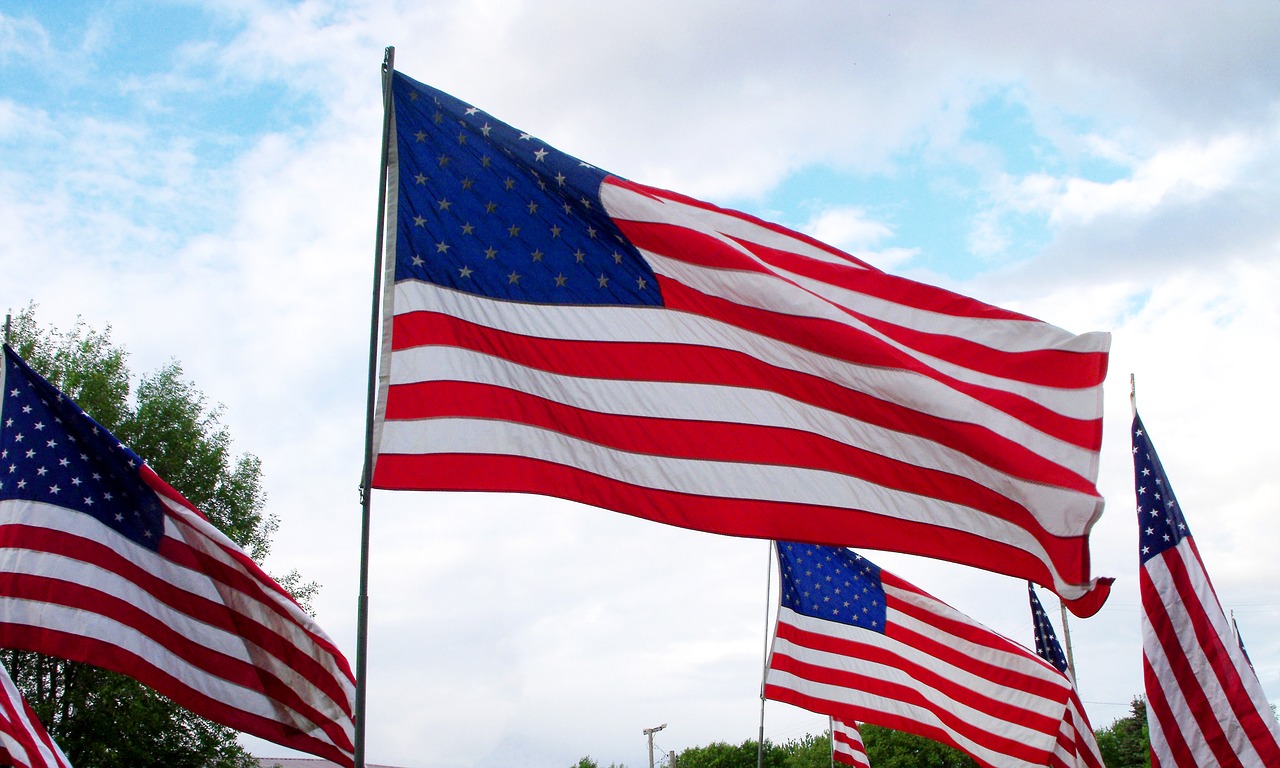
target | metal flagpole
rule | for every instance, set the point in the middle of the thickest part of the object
(768, 596)
(366, 477)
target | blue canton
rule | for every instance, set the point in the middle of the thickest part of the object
(52, 452)
(1160, 522)
(1047, 646)
(487, 209)
(831, 583)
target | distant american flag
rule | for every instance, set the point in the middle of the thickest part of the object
(558, 330)
(24, 743)
(1076, 742)
(102, 562)
(1047, 646)
(846, 744)
(1205, 705)
(862, 645)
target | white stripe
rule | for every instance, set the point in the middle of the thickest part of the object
(958, 674)
(297, 628)
(875, 703)
(1052, 507)
(1159, 742)
(728, 480)
(1006, 335)
(1180, 615)
(47, 754)
(914, 656)
(106, 629)
(855, 755)
(624, 204)
(719, 479)
(804, 297)
(97, 627)
(663, 326)
(1014, 657)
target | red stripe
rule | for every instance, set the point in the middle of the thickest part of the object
(1236, 697)
(1159, 706)
(1185, 681)
(203, 610)
(1049, 367)
(700, 440)
(92, 650)
(665, 194)
(20, 725)
(924, 676)
(908, 696)
(960, 627)
(714, 366)
(735, 517)
(835, 339)
(207, 661)
(1235, 704)
(893, 720)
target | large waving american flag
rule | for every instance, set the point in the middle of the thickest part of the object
(1205, 705)
(555, 329)
(860, 644)
(103, 562)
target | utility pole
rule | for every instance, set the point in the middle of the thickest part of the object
(649, 732)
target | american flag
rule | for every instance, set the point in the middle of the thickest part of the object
(1205, 705)
(558, 330)
(1076, 742)
(1047, 646)
(103, 562)
(859, 644)
(846, 744)
(24, 743)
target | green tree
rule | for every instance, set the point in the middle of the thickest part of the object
(887, 748)
(809, 751)
(721, 754)
(102, 719)
(588, 761)
(1126, 743)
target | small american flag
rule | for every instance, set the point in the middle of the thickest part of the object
(103, 562)
(846, 744)
(861, 645)
(1076, 742)
(555, 329)
(1205, 705)
(1046, 639)
(24, 743)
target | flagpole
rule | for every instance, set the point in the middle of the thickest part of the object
(362, 605)
(768, 597)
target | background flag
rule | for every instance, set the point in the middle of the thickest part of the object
(1047, 646)
(1076, 742)
(846, 744)
(859, 644)
(554, 329)
(103, 562)
(24, 743)
(1205, 705)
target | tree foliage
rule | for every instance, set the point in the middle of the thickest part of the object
(99, 718)
(1126, 743)
(887, 748)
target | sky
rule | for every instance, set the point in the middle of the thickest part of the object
(202, 178)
